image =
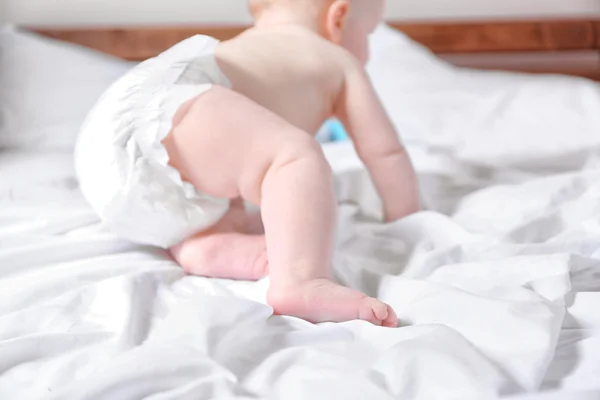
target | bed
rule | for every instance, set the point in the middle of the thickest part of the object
(497, 284)
(569, 46)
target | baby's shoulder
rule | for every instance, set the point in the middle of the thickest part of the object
(293, 44)
(290, 56)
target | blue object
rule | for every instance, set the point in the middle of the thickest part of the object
(332, 131)
(338, 132)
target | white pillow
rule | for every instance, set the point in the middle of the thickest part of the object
(496, 119)
(47, 87)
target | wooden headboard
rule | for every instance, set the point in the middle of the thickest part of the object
(550, 46)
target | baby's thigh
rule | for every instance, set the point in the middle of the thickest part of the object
(224, 143)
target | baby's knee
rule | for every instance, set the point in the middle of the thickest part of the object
(196, 256)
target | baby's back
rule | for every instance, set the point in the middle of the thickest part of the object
(288, 70)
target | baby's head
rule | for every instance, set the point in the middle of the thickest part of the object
(344, 22)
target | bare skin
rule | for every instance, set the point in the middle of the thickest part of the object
(301, 64)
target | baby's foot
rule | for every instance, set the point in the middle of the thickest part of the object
(224, 255)
(322, 300)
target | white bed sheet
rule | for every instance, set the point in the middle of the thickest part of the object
(498, 286)
(482, 295)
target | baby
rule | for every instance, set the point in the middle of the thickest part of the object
(173, 150)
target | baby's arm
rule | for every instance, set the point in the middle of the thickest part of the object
(378, 146)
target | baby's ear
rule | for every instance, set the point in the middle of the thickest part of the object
(336, 20)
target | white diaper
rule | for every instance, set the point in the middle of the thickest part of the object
(122, 166)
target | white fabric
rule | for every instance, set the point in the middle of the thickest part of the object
(122, 165)
(563, 395)
(498, 286)
(471, 114)
(88, 316)
(47, 87)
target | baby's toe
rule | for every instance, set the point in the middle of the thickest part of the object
(373, 311)
(392, 319)
(380, 310)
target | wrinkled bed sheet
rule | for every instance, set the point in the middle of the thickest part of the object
(499, 297)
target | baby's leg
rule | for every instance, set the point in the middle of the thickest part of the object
(228, 146)
(228, 250)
